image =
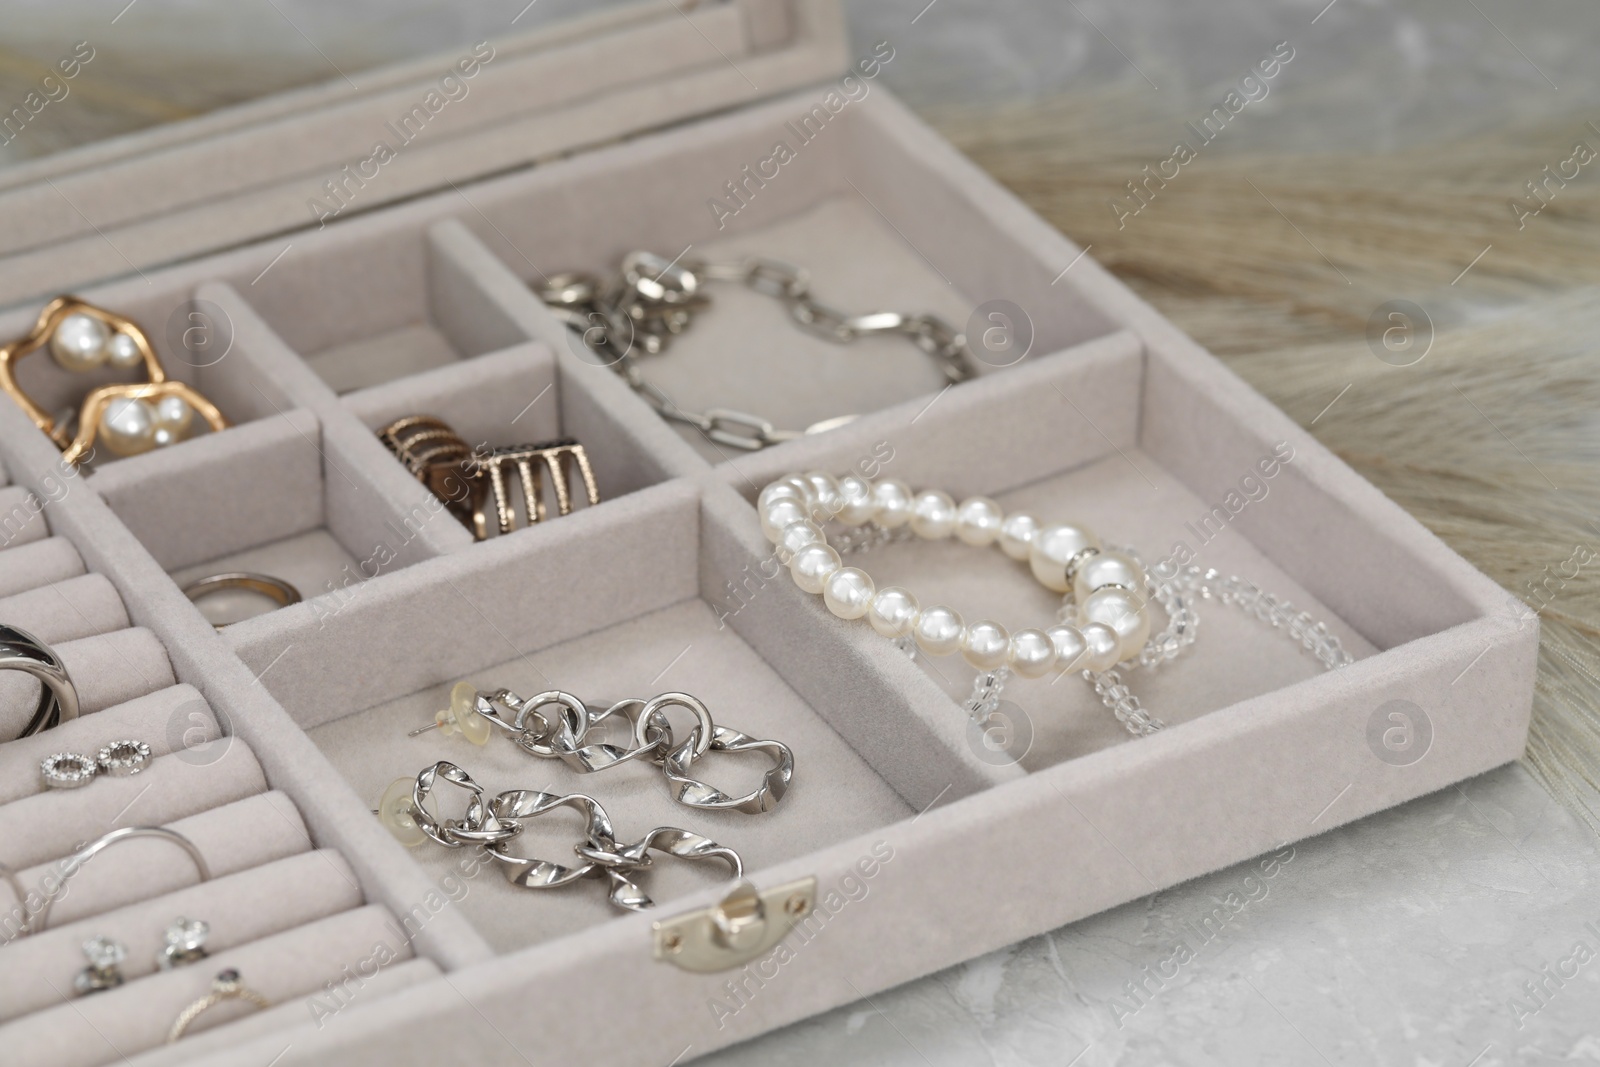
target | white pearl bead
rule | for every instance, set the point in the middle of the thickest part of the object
(978, 521)
(1050, 550)
(985, 645)
(122, 351)
(1032, 653)
(173, 413)
(1016, 534)
(933, 515)
(780, 514)
(803, 484)
(1124, 612)
(856, 493)
(1104, 648)
(893, 612)
(784, 489)
(127, 426)
(811, 566)
(938, 631)
(828, 498)
(1103, 569)
(796, 536)
(1072, 650)
(893, 499)
(78, 342)
(848, 592)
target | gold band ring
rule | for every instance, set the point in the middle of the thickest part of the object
(226, 986)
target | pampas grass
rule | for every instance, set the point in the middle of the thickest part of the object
(1277, 261)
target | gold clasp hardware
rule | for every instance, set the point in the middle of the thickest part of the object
(731, 933)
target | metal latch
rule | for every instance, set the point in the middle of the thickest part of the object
(734, 931)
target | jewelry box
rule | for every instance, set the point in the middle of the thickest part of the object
(317, 289)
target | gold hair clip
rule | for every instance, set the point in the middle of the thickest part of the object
(440, 459)
(464, 477)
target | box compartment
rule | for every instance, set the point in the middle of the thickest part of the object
(278, 498)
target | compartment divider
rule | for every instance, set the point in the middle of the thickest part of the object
(360, 474)
(198, 500)
(502, 398)
(595, 403)
(914, 736)
(465, 611)
(1065, 409)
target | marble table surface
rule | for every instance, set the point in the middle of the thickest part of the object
(1406, 939)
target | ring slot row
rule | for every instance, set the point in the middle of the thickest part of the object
(178, 772)
(289, 966)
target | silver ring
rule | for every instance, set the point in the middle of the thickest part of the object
(68, 770)
(58, 703)
(123, 759)
(74, 863)
(275, 589)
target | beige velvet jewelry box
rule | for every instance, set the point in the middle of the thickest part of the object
(575, 145)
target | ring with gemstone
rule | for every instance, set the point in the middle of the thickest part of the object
(122, 759)
(126, 417)
(68, 770)
(228, 985)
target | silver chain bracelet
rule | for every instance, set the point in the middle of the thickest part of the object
(652, 300)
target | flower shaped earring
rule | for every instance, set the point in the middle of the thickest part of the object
(185, 942)
(105, 962)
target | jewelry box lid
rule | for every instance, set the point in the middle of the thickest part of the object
(299, 159)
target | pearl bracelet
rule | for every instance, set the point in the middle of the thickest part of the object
(1109, 588)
